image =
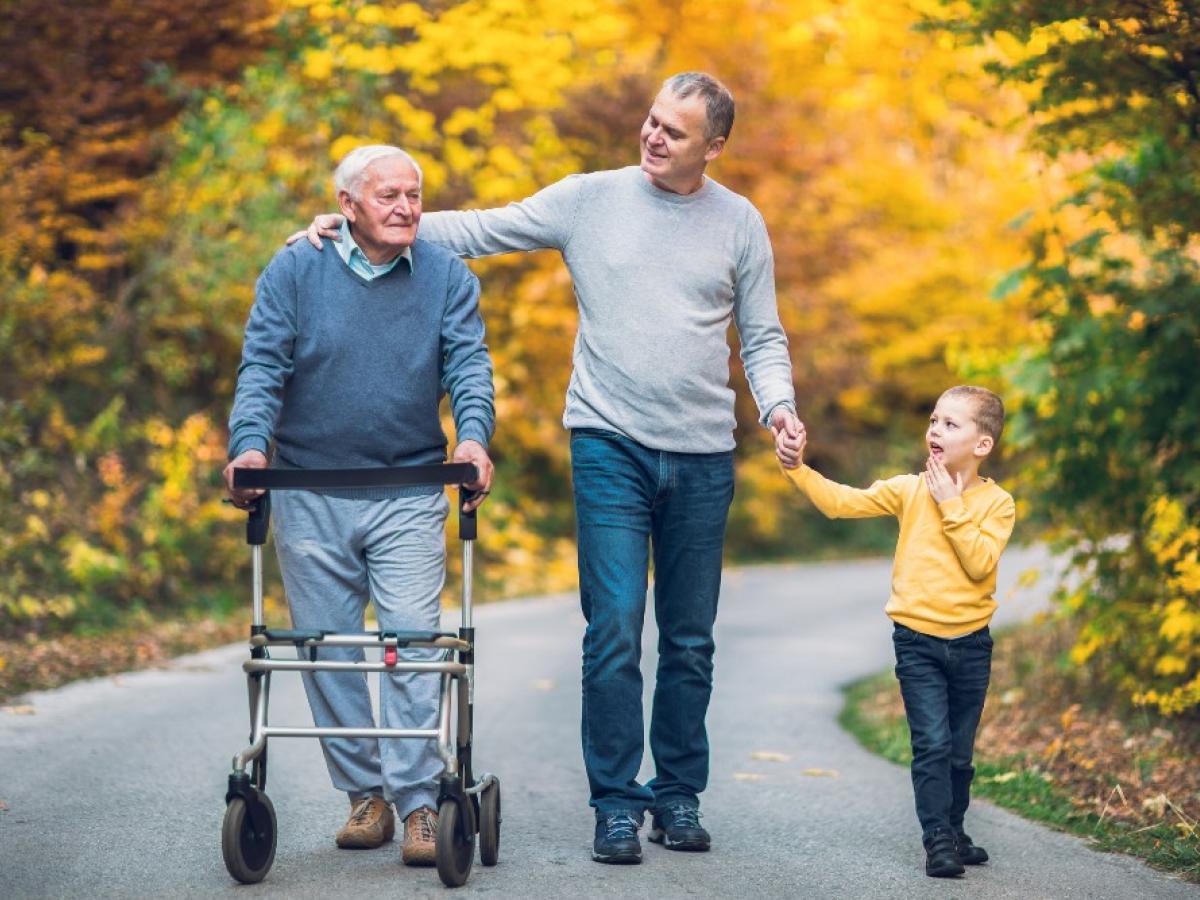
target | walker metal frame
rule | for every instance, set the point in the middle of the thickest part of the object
(466, 806)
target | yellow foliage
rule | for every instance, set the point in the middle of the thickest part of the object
(89, 565)
(1085, 648)
(318, 64)
(1170, 665)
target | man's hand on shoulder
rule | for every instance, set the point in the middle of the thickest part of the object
(790, 437)
(473, 452)
(247, 459)
(325, 225)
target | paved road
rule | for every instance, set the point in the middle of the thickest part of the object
(115, 787)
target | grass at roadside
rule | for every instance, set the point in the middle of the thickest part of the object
(49, 663)
(1129, 784)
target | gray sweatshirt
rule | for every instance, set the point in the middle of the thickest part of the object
(658, 276)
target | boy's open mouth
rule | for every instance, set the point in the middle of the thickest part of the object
(935, 449)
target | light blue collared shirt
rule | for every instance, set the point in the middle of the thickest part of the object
(353, 256)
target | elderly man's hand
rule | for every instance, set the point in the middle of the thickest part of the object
(473, 452)
(325, 225)
(244, 498)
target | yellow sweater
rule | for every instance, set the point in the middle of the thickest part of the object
(944, 574)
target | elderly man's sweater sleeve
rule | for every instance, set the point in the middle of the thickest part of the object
(764, 346)
(266, 359)
(466, 364)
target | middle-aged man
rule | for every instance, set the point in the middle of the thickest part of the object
(345, 359)
(661, 257)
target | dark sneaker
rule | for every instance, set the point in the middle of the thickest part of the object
(617, 839)
(968, 853)
(677, 827)
(941, 855)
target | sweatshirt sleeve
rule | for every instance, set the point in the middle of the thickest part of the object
(543, 221)
(466, 363)
(838, 501)
(978, 545)
(764, 346)
(266, 360)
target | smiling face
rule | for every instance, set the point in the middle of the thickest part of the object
(674, 148)
(386, 208)
(953, 437)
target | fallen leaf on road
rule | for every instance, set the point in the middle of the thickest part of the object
(821, 773)
(3, 805)
(25, 710)
(1001, 778)
(770, 756)
(748, 776)
(543, 684)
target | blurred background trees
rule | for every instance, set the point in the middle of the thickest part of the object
(973, 191)
(1106, 390)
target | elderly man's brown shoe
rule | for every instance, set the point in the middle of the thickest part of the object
(420, 837)
(371, 824)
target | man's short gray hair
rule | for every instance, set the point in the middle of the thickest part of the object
(351, 171)
(718, 101)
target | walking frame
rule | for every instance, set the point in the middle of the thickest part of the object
(466, 806)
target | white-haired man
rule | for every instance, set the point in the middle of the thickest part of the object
(345, 359)
(662, 258)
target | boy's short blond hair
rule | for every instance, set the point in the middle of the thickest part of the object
(989, 408)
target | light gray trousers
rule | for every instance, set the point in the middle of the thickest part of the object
(334, 553)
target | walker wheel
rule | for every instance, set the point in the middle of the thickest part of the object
(455, 850)
(489, 824)
(248, 839)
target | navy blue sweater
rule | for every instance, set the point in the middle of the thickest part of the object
(344, 372)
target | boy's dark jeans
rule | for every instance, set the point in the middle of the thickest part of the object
(944, 683)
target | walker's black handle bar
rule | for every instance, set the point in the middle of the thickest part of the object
(340, 479)
(330, 479)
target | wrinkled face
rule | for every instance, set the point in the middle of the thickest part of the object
(388, 208)
(674, 149)
(953, 437)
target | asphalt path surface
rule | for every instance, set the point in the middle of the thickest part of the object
(115, 787)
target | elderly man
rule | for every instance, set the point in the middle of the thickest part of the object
(345, 359)
(662, 258)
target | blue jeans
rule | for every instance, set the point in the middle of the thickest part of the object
(944, 683)
(627, 498)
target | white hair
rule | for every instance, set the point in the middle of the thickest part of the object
(352, 170)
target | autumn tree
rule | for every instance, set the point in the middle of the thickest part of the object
(1107, 399)
(87, 89)
(863, 141)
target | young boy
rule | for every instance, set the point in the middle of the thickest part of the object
(954, 524)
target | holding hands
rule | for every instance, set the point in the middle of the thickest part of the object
(942, 486)
(790, 437)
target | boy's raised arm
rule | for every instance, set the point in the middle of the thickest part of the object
(978, 546)
(839, 501)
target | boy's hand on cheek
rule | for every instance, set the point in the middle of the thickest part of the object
(941, 485)
(789, 450)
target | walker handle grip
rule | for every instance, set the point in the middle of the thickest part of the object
(258, 520)
(468, 526)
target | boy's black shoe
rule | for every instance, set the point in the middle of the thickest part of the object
(968, 853)
(616, 839)
(941, 855)
(677, 827)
